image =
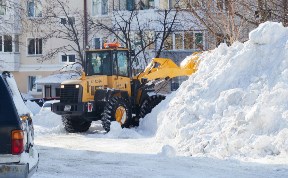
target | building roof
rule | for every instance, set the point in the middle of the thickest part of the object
(57, 78)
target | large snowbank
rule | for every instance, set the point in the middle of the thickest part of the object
(236, 105)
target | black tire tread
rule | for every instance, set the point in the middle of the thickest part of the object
(73, 124)
(147, 107)
(109, 112)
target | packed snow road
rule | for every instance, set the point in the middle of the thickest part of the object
(88, 156)
(124, 153)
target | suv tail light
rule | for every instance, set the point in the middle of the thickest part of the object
(17, 142)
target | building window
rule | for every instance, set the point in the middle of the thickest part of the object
(98, 43)
(146, 4)
(178, 41)
(130, 5)
(69, 21)
(119, 5)
(99, 7)
(183, 4)
(222, 4)
(188, 40)
(34, 8)
(35, 46)
(199, 39)
(168, 43)
(32, 86)
(184, 41)
(6, 43)
(2, 7)
(149, 38)
(68, 58)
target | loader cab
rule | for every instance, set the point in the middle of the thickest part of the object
(109, 61)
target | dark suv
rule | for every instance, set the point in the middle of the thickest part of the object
(18, 156)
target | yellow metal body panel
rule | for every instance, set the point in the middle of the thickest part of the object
(120, 83)
(91, 83)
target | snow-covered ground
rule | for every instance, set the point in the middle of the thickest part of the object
(126, 153)
(230, 119)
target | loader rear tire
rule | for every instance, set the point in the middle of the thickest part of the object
(117, 109)
(147, 106)
(75, 124)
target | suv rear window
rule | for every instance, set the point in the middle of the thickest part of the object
(8, 113)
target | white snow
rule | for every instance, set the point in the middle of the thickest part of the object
(48, 123)
(20, 105)
(235, 106)
(57, 78)
(33, 106)
(229, 115)
(167, 150)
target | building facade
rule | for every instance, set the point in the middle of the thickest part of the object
(23, 46)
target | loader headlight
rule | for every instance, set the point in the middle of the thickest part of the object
(62, 86)
(77, 86)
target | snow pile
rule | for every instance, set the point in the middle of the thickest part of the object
(33, 106)
(236, 105)
(116, 131)
(167, 151)
(47, 122)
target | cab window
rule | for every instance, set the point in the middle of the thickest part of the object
(99, 63)
(122, 61)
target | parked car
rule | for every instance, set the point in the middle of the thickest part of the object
(18, 156)
(47, 105)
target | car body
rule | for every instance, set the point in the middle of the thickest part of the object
(18, 156)
(47, 105)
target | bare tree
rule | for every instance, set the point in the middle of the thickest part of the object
(64, 24)
(230, 20)
(168, 22)
(139, 33)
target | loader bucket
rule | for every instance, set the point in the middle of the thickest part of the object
(191, 62)
(164, 67)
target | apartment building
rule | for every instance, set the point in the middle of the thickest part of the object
(22, 49)
(28, 47)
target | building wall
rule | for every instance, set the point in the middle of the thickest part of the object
(22, 79)
(34, 65)
(25, 65)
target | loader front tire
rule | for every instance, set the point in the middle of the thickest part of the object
(147, 106)
(73, 124)
(116, 109)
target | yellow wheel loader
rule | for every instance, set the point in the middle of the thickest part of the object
(107, 91)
